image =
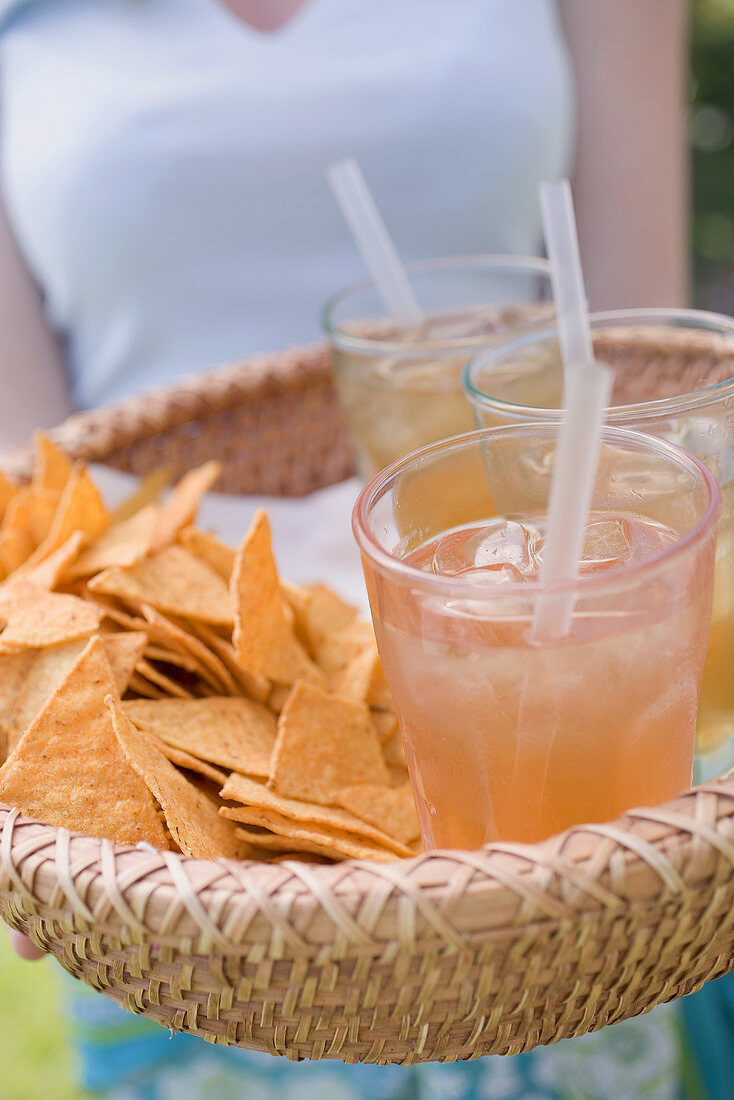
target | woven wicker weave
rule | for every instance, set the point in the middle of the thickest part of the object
(447, 956)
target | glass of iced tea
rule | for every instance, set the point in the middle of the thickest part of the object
(507, 738)
(674, 378)
(401, 388)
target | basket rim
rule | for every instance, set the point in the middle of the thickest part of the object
(645, 856)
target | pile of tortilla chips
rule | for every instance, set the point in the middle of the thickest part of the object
(157, 686)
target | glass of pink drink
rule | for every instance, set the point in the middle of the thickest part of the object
(508, 738)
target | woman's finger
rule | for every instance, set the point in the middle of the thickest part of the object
(24, 947)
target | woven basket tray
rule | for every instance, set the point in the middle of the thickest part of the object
(447, 956)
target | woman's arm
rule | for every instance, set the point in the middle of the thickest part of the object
(631, 171)
(33, 387)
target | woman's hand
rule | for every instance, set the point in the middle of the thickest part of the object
(24, 947)
(264, 15)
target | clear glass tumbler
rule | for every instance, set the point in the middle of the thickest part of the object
(401, 389)
(674, 378)
(507, 736)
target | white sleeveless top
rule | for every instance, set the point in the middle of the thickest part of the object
(163, 164)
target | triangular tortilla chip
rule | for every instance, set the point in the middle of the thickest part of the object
(147, 492)
(181, 507)
(41, 505)
(256, 796)
(51, 467)
(388, 808)
(335, 651)
(17, 540)
(319, 612)
(207, 664)
(49, 619)
(124, 650)
(393, 751)
(172, 580)
(50, 666)
(159, 678)
(263, 635)
(363, 679)
(191, 817)
(68, 769)
(324, 743)
(192, 764)
(8, 489)
(209, 548)
(80, 508)
(236, 733)
(335, 845)
(13, 671)
(47, 574)
(121, 545)
(254, 685)
(386, 724)
(16, 546)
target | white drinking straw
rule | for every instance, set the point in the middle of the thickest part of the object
(562, 244)
(374, 242)
(587, 390)
(572, 487)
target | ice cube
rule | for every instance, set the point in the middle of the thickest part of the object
(504, 548)
(608, 545)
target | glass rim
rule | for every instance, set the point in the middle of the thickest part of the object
(694, 319)
(584, 584)
(497, 261)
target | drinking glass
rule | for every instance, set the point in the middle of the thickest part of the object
(401, 388)
(674, 378)
(512, 738)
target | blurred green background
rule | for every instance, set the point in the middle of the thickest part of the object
(712, 148)
(34, 1058)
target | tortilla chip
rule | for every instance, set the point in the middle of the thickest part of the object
(16, 546)
(51, 467)
(319, 612)
(147, 492)
(13, 671)
(208, 548)
(256, 796)
(8, 489)
(181, 507)
(336, 845)
(263, 636)
(209, 666)
(68, 770)
(80, 508)
(49, 573)
(143, 687)
(336, 651)
(171, 580)
(49, 619)
(236, 733)
(49, 667)
(41, 508)
(279, 696)
(254, 685)
(121, 545)
(394, 752)
(192, 818)
(192, 764)
(388, 808)
(386, 724)
(363, 679)
(123, 652)
(165, 683)
(17, 541)
(324, 743)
